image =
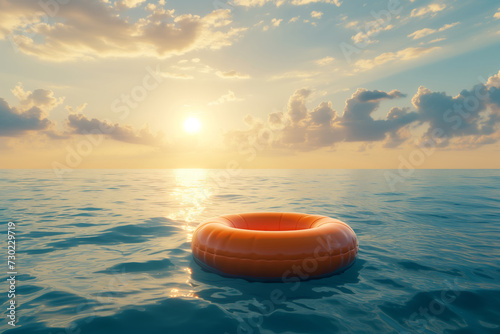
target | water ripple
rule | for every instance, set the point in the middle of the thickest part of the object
(105, 251)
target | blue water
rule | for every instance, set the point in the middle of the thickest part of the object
(108, 251)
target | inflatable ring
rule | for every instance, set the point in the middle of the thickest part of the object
(274, 246)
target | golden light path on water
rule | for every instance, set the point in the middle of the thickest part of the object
(191, 192)
(190, 195)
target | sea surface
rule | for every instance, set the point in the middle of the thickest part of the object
(108, 251)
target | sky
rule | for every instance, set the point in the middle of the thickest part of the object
(249, 84)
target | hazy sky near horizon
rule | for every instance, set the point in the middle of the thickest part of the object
(256, 83)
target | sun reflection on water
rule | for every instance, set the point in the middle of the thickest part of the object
(190, 196)
(191, 193)
(174, 293)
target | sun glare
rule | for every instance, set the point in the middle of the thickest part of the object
(192, 125)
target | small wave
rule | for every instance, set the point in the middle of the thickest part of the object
(153, 267)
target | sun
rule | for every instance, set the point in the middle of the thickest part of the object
(192, 125)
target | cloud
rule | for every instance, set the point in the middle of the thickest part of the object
(493, 81)
(297, 109)
(93, 29)
(30, 115)
(325, 61)
(43, 99)
(260, 3)
(306, 2)
(192, 68)
(427, 31)
(363, 95)
(405, 54)
(316, 14)
(358, 123)
(276, 22)
(15, 122)
(429, 9)
(228, 97)
(448, 26)
(77, 109)
(251, 3)
(468, 120)
(232, 75)
(422, 33)
(129, 3)
(463, 115)
(351, 24)
(304, 129)
(15, 14)
(465, 121)
(79, 124)
(497, 14)
(294, 19)
(437, 40)
(373, 29)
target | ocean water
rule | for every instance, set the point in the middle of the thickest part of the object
(108, 251)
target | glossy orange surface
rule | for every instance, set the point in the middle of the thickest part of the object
(274, 245)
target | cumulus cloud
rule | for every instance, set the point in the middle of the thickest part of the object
(467, 120)
(80, 124)
(15, 122)
(497, 14)
(464, 115)
(405, 54)
(358, 122)
(493, 81)
(30, 115)
(432, 8)
(297, 109)
(427, 31)
(41, 98)
(304, 129)
(91, 29)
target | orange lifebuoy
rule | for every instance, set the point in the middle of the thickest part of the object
(274, 245)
